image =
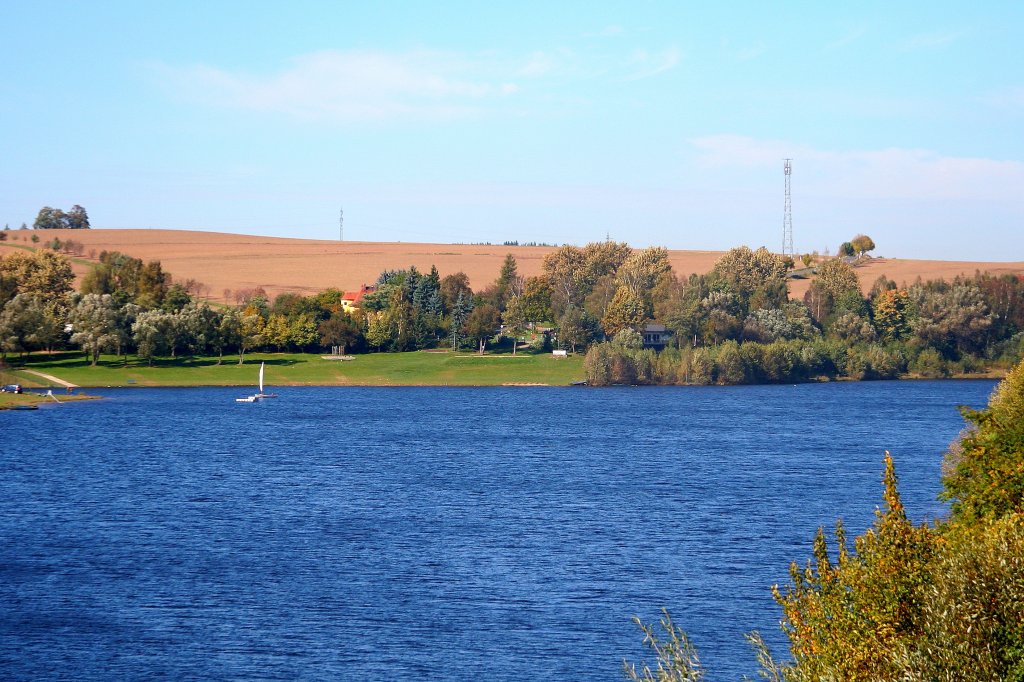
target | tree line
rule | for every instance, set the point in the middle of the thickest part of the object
(734, 324)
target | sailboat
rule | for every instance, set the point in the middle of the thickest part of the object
(258, 396)
(261, 394)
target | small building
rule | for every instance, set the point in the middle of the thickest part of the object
(351, 299)
(656, 336)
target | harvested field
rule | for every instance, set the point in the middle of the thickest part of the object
(226, 263)
(904, 271)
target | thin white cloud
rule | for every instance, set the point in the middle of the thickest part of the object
(606, 32)
(849, 38)
(751, 52)
(540, 63)
(1007, 98)
(644, 64)
(351, 85)
(369, 85)
(892, 173)
(930, 41)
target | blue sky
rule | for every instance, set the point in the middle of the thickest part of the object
(653, 122)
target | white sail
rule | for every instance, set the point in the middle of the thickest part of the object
(261, 377)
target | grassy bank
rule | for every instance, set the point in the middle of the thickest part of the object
(300, 369)
(11, 401)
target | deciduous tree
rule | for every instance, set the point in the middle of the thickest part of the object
(77, 218)
(94, 324)
(50, 219)
(627, 310)
(482, 324)
(891, 313)
(862, 244)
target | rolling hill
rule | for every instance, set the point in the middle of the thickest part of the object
(226, 263)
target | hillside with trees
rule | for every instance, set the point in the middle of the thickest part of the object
(735, 324)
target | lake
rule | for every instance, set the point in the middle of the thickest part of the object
(434, 533)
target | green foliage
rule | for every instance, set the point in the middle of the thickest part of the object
(675, 656)
(537, 300)
(598, 365)
(577, 329)
(50, 219)
(930, 364)
(985, 467)
(482, 324)
(919, 602)
(838, 277)
(906, 601)
(566, 270)
(642, 270)
(27, 324)
(43, 273)
(94, 324)
(846, 618)
(852, 328)
(697, 367)
(56, 219)
(757, 278)
(627, 310)
(862, 244)
(952, 318)
(729, 365)
(869, 362)
(790, 321)
(972, 613)
(628, 339)
(892, 312)
(340, 329)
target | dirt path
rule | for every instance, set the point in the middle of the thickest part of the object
(50, 377)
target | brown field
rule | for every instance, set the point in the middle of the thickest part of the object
(226, 263)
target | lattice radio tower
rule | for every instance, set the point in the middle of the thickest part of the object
(341, 225)
(787, 216)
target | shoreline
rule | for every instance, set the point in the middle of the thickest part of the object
(69, 370)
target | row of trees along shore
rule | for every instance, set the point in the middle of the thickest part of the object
(735, 324)
(905, 601)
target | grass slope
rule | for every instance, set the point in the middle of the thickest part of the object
(300, 369)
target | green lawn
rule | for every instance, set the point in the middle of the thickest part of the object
(421, 368)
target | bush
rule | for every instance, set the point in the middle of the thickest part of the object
(729, 367)
(643, 366)
(623, 371)
(598, 365)
(875, 362)
(985, 475)
(973, 612)
(779, 362)
(930, 364)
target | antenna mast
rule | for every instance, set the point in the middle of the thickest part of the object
(787, 216)
(341, 225)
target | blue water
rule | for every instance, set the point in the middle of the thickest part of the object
(429, 534)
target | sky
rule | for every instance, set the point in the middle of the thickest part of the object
(655, 123)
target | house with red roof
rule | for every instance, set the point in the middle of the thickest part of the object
(351, 299)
